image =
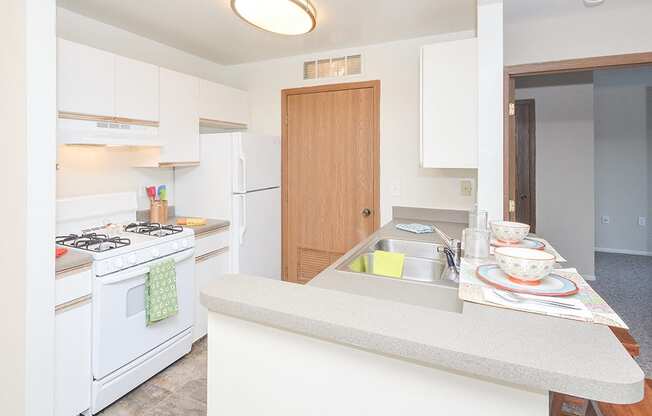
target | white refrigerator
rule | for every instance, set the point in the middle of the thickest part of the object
(239, 178)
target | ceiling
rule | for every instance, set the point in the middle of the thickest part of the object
(524, 9)
(208, 28)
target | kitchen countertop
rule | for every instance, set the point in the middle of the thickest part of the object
(211, 225)
(427, 324)
(72, 260)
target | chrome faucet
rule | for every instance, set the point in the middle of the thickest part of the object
(452, 250)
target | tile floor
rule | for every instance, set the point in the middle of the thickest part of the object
(625, 282)
(179, 390)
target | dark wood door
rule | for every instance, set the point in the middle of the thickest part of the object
(526, 163)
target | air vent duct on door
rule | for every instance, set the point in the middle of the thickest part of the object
(340, 66)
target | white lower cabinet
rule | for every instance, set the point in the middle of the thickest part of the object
(209, 268)
(73, 358)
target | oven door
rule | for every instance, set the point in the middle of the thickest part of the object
(120, 334)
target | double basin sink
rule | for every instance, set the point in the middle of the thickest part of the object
(423, 261)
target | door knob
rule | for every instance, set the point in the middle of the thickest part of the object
(366, 212)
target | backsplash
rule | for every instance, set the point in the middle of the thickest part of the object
(90, 170)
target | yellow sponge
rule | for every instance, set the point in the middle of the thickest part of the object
(388, 264)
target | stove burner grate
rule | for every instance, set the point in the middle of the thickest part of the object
(153, 229)
(92, 242)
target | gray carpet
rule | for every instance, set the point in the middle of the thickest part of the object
(625, 282)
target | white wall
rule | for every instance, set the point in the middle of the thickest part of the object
(622, 159)
(13, 159)
(89, 170)
(86, 171)
(564, 170)
(27, 115)
(396, 65)
(547, 30)
(490, 107)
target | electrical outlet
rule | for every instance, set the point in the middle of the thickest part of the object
(466, 188)
(396, 188)
(642, 221)
(605, 219)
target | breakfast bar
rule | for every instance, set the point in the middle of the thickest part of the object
(358, 337)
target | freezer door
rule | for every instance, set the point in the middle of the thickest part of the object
(257, 233)
(256, 162)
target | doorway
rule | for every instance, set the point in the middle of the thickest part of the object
(331, 189)
(593, 141)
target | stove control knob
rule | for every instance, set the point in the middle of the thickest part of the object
(131, 259)
(184, 243)
(118, 263)
(175, 246)
(154, 252)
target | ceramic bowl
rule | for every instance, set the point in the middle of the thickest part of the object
(509, 232)
(524, 264)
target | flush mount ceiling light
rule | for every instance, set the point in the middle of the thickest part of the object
(285, 17)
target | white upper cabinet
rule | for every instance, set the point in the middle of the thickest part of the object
(223, 104)
(179, 117)
(449, 104)
(85, 79)
(136, 89)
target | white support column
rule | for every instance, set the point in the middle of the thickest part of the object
(41, 82)
(490, 111)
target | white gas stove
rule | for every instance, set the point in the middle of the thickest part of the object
(118, 247)
(125, 350)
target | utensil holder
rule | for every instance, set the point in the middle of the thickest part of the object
(158, 212)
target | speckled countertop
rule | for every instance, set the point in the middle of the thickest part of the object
(72, 260)
(211, 225)
(428, 324)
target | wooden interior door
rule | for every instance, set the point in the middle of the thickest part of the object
(526, 163)
(330, 174)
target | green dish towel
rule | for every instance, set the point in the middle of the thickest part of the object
(161, 292)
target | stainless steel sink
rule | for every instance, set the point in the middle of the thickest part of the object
(423, 263)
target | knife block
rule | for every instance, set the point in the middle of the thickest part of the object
(158, 212)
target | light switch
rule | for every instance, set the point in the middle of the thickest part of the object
(605, 219)
(642, 221)
(396, 188)
(466, 188)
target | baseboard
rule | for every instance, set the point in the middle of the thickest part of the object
(622, 251)
(589, 277)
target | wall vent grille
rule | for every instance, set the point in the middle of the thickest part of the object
(340, 66)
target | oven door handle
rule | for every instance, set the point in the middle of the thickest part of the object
(122, 277)
(142, 271)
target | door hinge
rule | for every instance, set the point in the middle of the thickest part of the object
(511, 109)
(512, 206)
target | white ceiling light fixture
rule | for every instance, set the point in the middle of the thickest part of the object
(285, 17)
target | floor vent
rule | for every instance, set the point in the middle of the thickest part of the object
(340, 66)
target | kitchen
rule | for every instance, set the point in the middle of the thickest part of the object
(214, 105)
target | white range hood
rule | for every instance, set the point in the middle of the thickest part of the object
(109, 132)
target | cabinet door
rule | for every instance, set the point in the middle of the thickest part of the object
(449, 104)
(85, 79)
(209, 268)
(136, 89)
(72, 387)
(221, 103)
(179, 117)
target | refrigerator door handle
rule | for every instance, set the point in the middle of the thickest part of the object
(243, 173)
(243, 218)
